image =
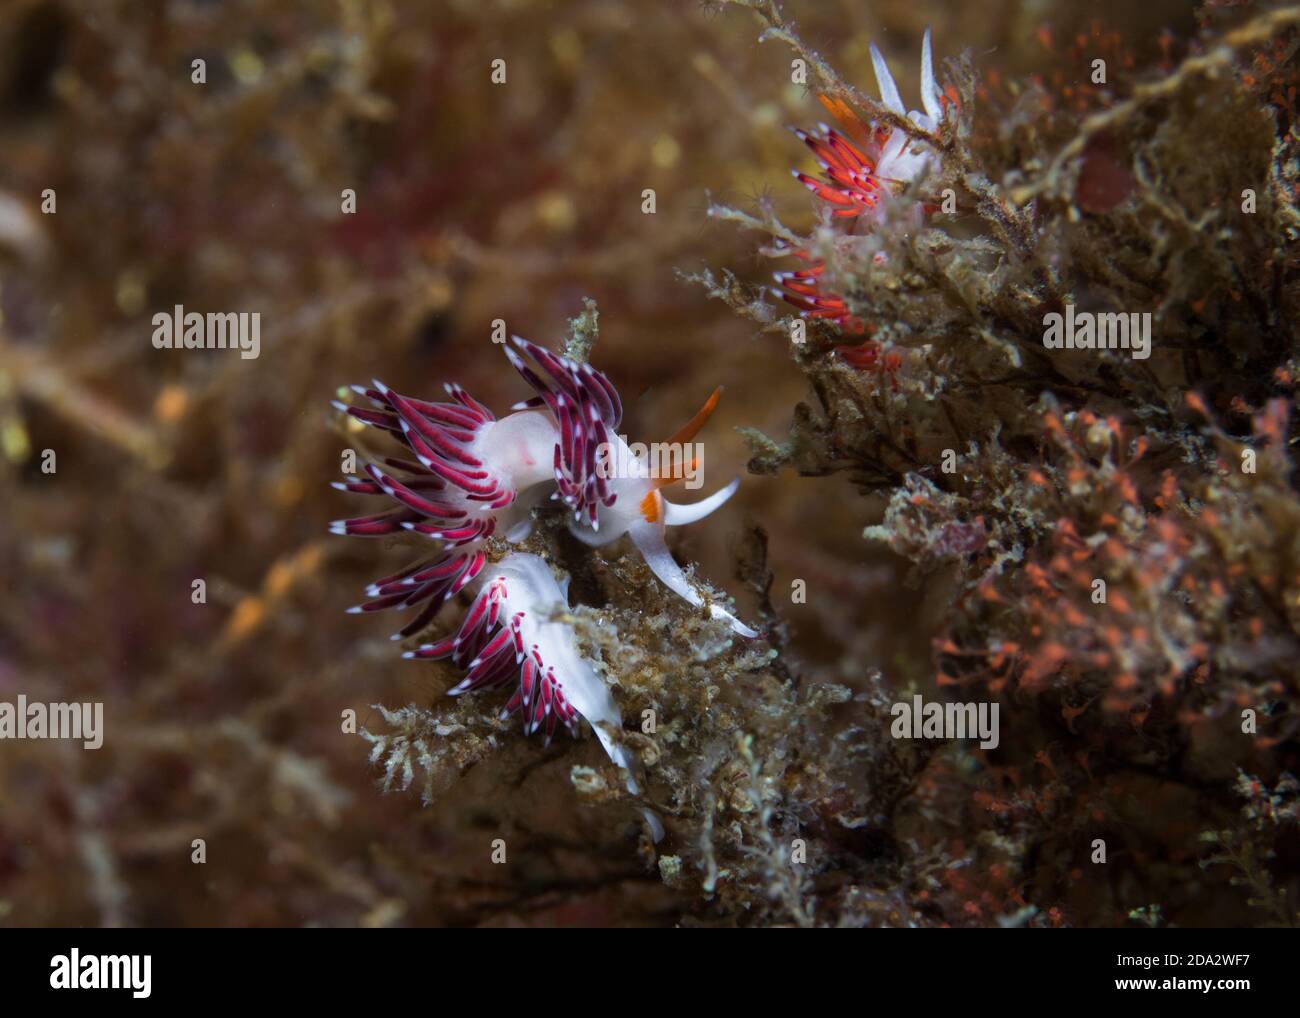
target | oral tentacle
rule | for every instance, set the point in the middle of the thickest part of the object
(885, 83)
(675, 515)
(929, 87)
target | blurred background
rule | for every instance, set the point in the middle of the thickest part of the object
(474, 201)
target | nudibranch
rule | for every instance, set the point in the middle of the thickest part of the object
(860, 168)
(468, 476)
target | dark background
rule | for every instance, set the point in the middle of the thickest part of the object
(475, 202)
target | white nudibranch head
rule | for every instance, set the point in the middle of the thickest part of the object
(901, 159)
(637, 508)
(466, 475)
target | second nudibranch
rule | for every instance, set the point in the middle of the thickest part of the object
(867, 163)
(863, 166)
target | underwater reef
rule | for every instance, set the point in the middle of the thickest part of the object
(998, 626)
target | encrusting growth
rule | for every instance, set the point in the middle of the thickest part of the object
(474, 476)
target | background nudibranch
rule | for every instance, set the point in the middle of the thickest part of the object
(860, 168)
(472, 476)
(862, 165)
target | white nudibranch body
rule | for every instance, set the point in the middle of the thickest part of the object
(474, 476)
